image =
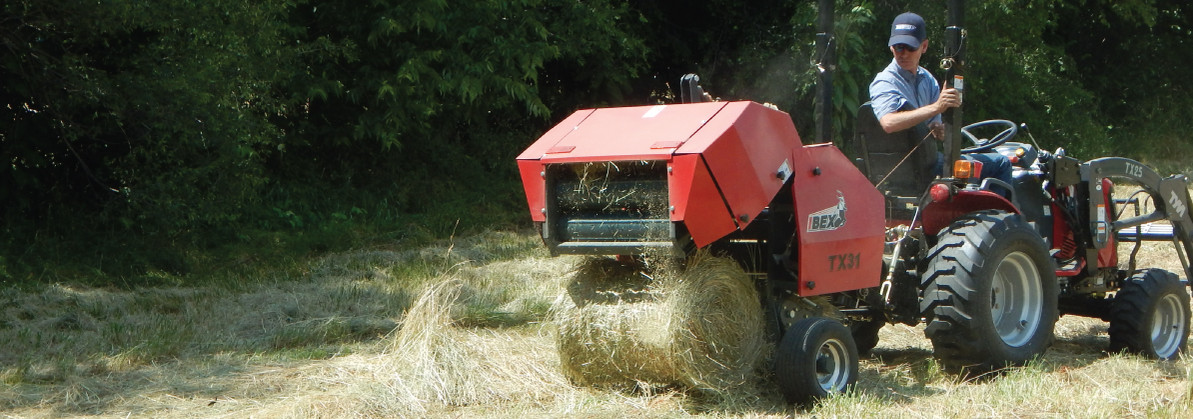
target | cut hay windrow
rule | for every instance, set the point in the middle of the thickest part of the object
(432, 362)
(622, 328)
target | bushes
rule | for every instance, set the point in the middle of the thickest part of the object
(182, 125)
(186, 124)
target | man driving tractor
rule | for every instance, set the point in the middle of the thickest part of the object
(906, 96)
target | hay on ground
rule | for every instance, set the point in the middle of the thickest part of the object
(700, 329)
(431, 362)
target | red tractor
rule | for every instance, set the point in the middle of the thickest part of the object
(989, 275)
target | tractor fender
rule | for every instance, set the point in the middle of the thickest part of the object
(939, 214)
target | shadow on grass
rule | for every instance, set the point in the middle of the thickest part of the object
(899, 375)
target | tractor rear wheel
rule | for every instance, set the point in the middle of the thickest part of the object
(1150, 315)
(989, 292)
(816, 357)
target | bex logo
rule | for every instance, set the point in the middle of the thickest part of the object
(830, 218)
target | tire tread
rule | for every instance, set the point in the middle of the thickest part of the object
(1131, 309)
(949, 288)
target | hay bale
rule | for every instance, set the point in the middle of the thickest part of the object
(701, 328)
(718, 326)
(602, 280)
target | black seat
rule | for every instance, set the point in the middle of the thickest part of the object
(876, 153)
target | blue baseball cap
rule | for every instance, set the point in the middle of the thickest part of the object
(908, 29)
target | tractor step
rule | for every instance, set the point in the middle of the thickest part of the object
(1146, 232)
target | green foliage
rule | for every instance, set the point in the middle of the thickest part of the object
(405, 63)
(140, 128)
(146, 115)
(1130, 55)
(420, 107)
(855, 66)
(145, 141)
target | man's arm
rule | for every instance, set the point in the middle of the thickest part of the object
(901, 120)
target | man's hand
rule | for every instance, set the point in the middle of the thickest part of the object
(949, 98)
(937, 130)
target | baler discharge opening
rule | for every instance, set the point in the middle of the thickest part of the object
(608, 207)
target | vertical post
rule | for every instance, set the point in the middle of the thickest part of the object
(826, 63)
(954, 65)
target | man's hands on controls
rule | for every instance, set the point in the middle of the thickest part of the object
(937, 130)
(949, 98)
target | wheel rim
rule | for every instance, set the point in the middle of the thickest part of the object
(1016, 299)
(832, 366)
(1167, 326)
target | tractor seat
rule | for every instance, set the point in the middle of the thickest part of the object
(877, 153)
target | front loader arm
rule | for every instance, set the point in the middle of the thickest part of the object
(1170, 195)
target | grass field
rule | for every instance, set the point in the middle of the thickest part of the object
(462, 329)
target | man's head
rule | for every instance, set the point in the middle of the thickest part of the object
(908, 40)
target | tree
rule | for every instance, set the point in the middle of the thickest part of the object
(150, 113)
(414, 100)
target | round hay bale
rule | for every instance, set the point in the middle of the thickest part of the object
(616, 345)
(717, 325)
(602, 280)
(701, 329)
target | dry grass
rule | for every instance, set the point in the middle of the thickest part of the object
(460, 330)
(699, 329)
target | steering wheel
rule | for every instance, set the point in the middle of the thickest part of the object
(981, 145)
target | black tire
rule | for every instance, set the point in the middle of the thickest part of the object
(1150, 315)
(865, 333)
(816, 357)
(989, 292)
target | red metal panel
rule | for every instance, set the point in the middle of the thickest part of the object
(938, 215)
(634, 133)
(554, 135)
(745, 146)
(530, 168)
(535, 186)
(741, 146)
(697, 201)
(840, 223)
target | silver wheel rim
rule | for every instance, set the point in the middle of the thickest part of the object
(1016, 299)
(832, 366)
(1167, 326)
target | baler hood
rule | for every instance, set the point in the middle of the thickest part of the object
(721, 164)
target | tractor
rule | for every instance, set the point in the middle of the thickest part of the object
(872, 234)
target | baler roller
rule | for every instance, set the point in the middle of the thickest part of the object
(603, 207)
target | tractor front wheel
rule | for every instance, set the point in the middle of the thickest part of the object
(816, 357)
(990, 293)
(1150, 315)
